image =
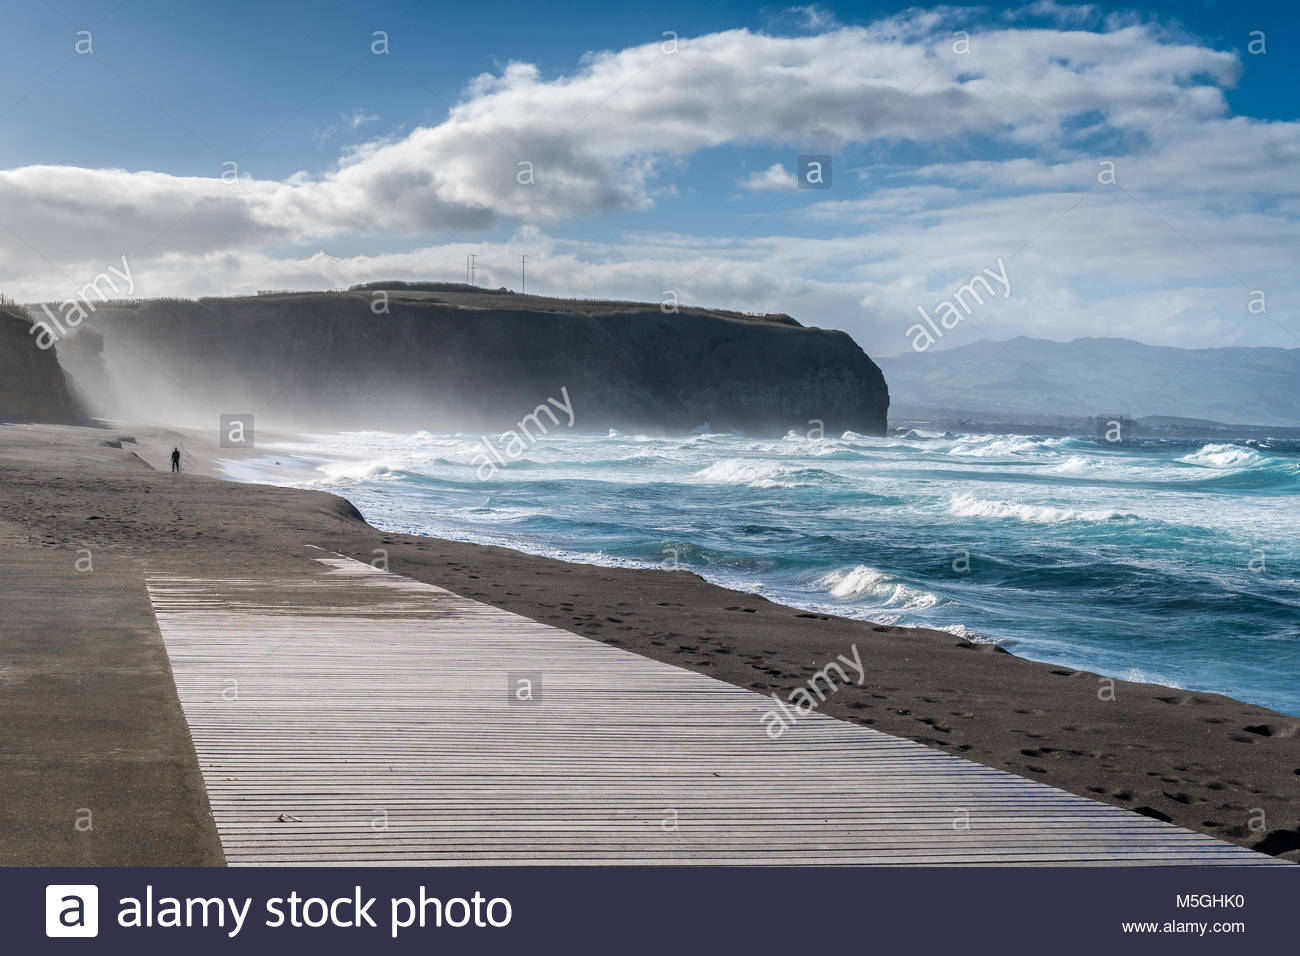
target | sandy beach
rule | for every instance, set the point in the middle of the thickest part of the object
(93, 719)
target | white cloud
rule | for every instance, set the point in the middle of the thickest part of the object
(1066, 14)
(1203, 197)
(775, 177)
(347, 121)
(595, 138)
(812, 17)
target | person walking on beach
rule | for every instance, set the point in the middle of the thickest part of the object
(176, 459)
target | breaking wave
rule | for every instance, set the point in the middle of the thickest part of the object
(1226, 456)
(762, 474)
(875, 588)
(1001, 446)
(966, 505)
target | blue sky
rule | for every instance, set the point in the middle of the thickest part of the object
(662, 170)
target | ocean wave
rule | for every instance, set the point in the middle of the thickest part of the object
(853, 583)
(965, 505)
(863, 582)
(351, 471)
(1226, 456)
(1119, 468)
(794, 445)
(762, 474)
(633, 459)
(1076, 465)
(1000, 446)
(1138, 676)
(966, 633)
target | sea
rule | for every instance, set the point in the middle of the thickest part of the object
(1166, 561)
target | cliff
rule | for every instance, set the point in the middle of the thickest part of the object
(32, 385)
(469, 360)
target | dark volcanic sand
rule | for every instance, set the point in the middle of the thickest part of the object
(1202, 761)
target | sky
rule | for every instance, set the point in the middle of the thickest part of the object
(1130, 170)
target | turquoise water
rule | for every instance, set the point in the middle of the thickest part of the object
(1172, 562)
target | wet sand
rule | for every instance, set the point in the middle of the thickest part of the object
(1202, 761)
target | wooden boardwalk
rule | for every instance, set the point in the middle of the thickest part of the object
(356, 717)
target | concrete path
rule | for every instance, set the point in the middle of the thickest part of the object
(352, 716)
(96, 764)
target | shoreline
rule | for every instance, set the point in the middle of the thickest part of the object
(1202, 761)
(896, 571)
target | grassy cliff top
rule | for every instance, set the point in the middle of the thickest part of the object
(463, 296)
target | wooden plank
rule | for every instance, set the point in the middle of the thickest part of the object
(355, 717)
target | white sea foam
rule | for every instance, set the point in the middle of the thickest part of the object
(758, 474)
(998, 446)
(966, 505)
(349, 471)
(1119, 468)
(854, 583)
(1139, 676)
(966, 633)
(880, 590)
(1076, 465)
(1224, 456)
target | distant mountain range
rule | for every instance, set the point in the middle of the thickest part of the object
(1026, 377)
